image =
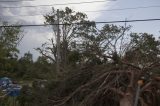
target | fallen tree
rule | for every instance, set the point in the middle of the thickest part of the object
(115, 87)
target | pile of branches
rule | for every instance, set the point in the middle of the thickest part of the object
(115, 87)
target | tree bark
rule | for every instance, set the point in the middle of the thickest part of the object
(127, 100)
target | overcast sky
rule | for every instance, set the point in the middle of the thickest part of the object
(35, 36)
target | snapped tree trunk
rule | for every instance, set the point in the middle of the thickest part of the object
(127, 100)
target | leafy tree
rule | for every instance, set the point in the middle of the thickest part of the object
(114, 41)
(25, 65)
(42, 68)
(99, 46)
(88, 44)
(10, 37)
(144, 50)
(27, 58)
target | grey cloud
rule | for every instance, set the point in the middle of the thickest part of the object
(33, 36)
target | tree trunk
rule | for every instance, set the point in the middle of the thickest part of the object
(127, 100)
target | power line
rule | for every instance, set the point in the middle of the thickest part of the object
(132, 8)
(105, 22)
(87, 2)
(118, 9)
(16, 0)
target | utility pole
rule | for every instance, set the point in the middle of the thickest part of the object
(58, 43)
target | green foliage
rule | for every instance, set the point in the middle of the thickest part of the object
(25, 64)
(74, 57)
(29, 70)
(67, 34)
(32, 96)
(144, 49)
(10, 37)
